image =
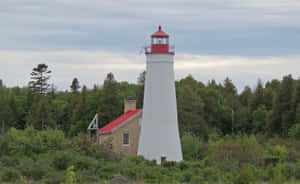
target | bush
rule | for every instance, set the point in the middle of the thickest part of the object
(53, 178)
(275, 154)
(36, 170)
(62, 160)
(248, 175)
(191, 146)
(49, 140)
(31, 142)
(294, 131)
(83, 162)
(10, 175)
(108, 170)
(196, 179)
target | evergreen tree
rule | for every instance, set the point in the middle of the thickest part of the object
(258, 97)
(259, 117)
(245, 96)
(212, 84)
(80, 118)
(282, 115)
(296, 102)
(75, 85)
(140, 91)
(39, 79)
(229, 88)
(111, 106)
(191, 108)
(40, 114)
(1, 83)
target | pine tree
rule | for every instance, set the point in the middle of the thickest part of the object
(110, 103)
(296, 101)
(1, 83)
(229, 88)
(258, 97)
(245, 96)
(140, 91)
(39, 79)
(282, 115)
(75, 85)
(191, 108)
(40, 114)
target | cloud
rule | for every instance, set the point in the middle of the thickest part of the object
(244, 40)
(91, 67)
(94, 24)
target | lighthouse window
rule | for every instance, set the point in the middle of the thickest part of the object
(160, 40)
(125, 138)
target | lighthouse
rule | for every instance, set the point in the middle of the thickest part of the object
(159, 136)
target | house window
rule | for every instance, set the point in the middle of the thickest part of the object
(126, 138)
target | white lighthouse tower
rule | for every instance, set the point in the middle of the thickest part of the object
(159, 137)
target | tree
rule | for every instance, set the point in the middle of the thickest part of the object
(258, 97)
(110, 103)
(282, 112)
(140, 91)
(40, 115)
(75, 85)
(39, 79)
(212, 84)
(191, 108)
(245, 96)
(259, 117)
(1, 83)
(229, 88)
(79, 114)
(296, 102)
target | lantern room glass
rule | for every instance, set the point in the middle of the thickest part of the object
(160, 40)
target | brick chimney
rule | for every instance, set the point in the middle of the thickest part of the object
(129, 104)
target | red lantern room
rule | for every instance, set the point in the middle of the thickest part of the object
(159, 43)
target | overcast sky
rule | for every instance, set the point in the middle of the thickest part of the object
(242, 39)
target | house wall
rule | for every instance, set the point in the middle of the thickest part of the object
(115, 139)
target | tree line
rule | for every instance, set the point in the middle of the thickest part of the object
(270, 109)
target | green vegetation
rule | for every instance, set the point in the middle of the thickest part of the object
(227, 137)
(46, 156)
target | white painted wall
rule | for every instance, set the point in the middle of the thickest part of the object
(159, 132)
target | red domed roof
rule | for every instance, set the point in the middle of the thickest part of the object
(159, 33)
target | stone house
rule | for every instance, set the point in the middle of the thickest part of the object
(122, 134)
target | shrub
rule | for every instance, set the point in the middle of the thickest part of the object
(191, 146)
(53, 177)
(276, 154)
(277, 175)
(62, 160)
(294, 131)
(108, 170)
(70, 176)
(247, 175)
(49, 139)
(3, 146)
(168, 164)
(196, 179)
(10, 175)
(187, 176)
(36, 170)
(83, 162)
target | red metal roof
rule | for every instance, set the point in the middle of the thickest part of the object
(118, 121)
(159, 33)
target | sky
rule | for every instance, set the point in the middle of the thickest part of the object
(244, 40)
